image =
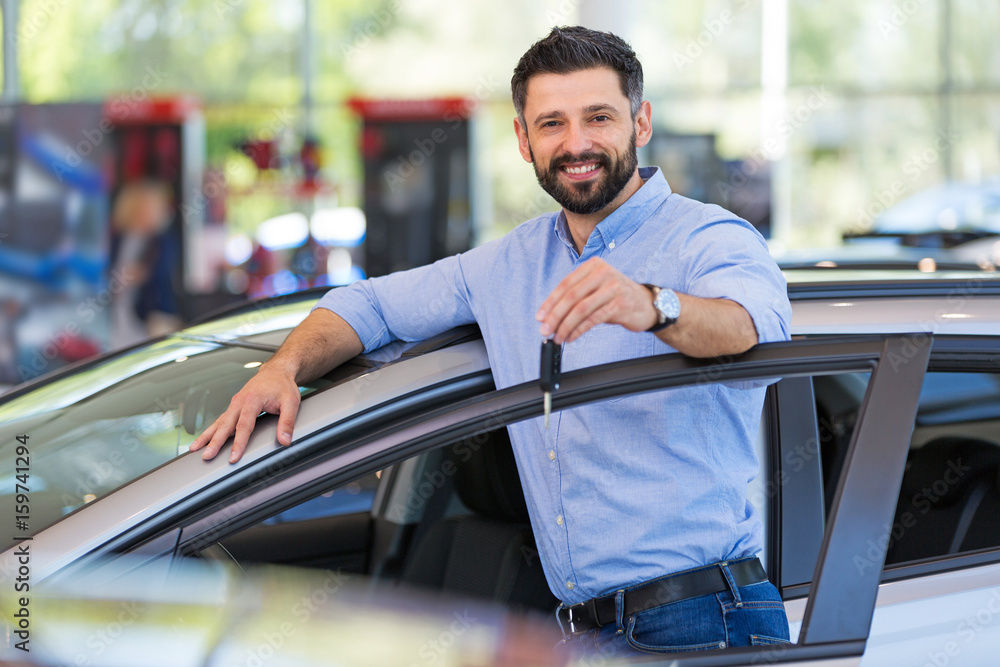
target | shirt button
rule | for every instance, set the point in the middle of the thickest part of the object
(611, 246)
(569, 585)
(552, 455)
(559, 520)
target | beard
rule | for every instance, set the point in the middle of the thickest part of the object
(587, 197)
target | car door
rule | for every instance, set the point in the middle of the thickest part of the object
(833, 621)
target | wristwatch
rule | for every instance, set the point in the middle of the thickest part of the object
(667, 305)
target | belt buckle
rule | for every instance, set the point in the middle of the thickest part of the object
(570, 619)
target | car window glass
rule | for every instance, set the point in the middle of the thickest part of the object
(350, 498)
(838, 399)
(94, 431)
(950, 494)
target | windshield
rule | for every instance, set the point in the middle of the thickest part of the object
(93, 431)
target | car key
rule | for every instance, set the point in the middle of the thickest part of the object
(549, 373)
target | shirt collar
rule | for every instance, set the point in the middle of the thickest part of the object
(622, 223)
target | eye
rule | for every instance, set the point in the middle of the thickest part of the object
(551, 123)
(602, 118)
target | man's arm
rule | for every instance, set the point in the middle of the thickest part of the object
(708, 327)
(321, 342)
(597, 293)
(407, 305)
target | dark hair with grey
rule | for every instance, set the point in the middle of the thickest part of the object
(573, 48)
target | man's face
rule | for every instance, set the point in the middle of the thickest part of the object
(580, 136)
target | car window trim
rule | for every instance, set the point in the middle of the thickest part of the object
(961, 354)
(799, 492)
(769, 472)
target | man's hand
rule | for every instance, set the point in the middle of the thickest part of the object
(595, 293)
(321, 342)
(272, 390)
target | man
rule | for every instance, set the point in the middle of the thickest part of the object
(623, 495)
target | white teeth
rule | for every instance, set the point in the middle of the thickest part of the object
(580, 170)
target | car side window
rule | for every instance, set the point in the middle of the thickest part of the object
(430, 512)
(949, 497)
(350, 498)
(838, 399)
(950, 494)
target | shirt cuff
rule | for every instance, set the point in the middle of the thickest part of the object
(357, 305)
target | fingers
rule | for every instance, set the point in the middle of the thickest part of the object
(221, 430)
(286, 421)
(597, 308)
(557, 294)
(203, 439)
(240, 418)
(576, 287)
(244, 427)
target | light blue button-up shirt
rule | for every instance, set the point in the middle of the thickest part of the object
(626, 490)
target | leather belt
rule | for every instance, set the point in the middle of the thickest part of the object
(598, 612)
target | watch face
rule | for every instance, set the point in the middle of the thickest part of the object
(668, 304)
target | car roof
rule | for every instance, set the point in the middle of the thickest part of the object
(873, 301)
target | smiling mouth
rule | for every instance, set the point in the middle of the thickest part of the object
(581, 170)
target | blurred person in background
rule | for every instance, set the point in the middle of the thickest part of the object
(142, 260)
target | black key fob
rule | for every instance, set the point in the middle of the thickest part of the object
(551, 365)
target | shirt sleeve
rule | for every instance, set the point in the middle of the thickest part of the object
(728, 259)
(406, 305)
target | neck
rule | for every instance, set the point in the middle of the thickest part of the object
(582, 226)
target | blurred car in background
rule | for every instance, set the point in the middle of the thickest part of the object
(941, 216)
(881, 256)
(949, 227)
(879, 445)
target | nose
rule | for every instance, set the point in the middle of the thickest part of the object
(577, 141)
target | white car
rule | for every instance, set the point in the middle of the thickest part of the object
(879, 448)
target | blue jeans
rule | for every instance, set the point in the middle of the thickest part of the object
(746, 616)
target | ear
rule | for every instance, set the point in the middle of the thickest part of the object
(522, 140)
(643, 125)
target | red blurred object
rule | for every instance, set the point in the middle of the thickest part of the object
(125, 110)
(261, 264)
(134, 152)
(263, 152)
(441, 108)
(166, 143)
(75, 348)
(371, 142)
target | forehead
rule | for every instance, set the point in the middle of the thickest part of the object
(575, 90)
